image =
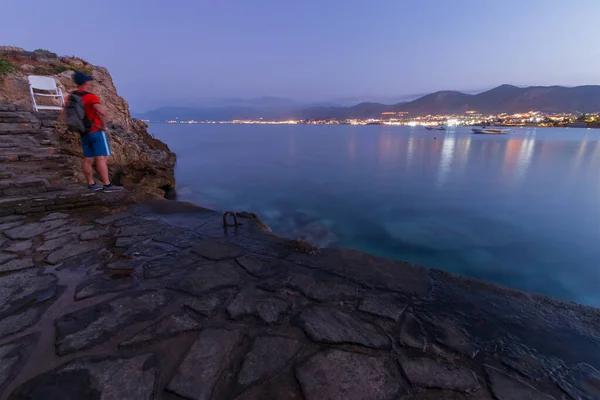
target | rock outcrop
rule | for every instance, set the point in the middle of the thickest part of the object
(139, 160)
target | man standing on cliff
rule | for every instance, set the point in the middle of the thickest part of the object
(94, 141)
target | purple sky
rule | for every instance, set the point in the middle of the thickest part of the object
(171, 52)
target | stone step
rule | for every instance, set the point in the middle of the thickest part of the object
(17, 117)
(51, 170)
(23, 128)
(14, 156)
(23, 186)
(23, 191)
(25, 148)
(23, 182)
(50, 201)
(8, 107)
(25, 141)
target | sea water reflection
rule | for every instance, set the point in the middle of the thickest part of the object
(519, 210)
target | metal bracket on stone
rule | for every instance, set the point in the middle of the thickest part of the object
(235, 221)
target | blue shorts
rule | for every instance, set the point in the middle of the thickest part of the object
(95, 144)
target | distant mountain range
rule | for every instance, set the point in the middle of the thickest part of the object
(504, 98)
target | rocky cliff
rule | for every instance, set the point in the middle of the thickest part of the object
(139, 161)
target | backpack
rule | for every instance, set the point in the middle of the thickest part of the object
(75, 114)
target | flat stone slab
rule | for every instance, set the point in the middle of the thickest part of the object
(412, 333)
(268, 357)
(166, 328)
(448, 333)
(28, 231)
(147, 228)
(17, 264)
(95, 378)
(323, 288)
(4, 257)
(163, 266)
(427, 373)
(19, 247)
(528, 362)
(281, 387)
(10, 225)
(209, 304)
(383, 305)
(71, 230)
(102, 284)
(375, 271)
(13, 356)
(149, 249)
(131, 220)
(94, 234)
(72, 250)
(506, 387)
(258, 304)
(216, 250)
(204, 363)
(178, 237)
(341, 375)
(53, 216)
(208, 277)
(96, 324)
(122, 268)
(582, 382)
(328, 325)
(24, 289)
(87, 263)
(17, 322)
(262, 266)
(438, 394)
(109, 219)
(128, 241)
(53, 244)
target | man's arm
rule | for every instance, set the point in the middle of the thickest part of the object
(101, 115)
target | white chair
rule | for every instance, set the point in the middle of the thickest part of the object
(49, 85)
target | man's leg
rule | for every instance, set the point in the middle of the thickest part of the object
(101, 152)
(87, 170)
(102, 169)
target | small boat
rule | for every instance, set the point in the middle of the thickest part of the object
(490, 131)
(435, 128)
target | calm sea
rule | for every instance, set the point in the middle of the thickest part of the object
(520, 210)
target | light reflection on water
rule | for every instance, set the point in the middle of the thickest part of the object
(446, 158)
(519, 210)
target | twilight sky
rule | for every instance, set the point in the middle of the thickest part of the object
(163, 52)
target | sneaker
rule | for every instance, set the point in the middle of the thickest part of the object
(95, 187)
(112, 188)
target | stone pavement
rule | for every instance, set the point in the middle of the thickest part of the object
(162, 302)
